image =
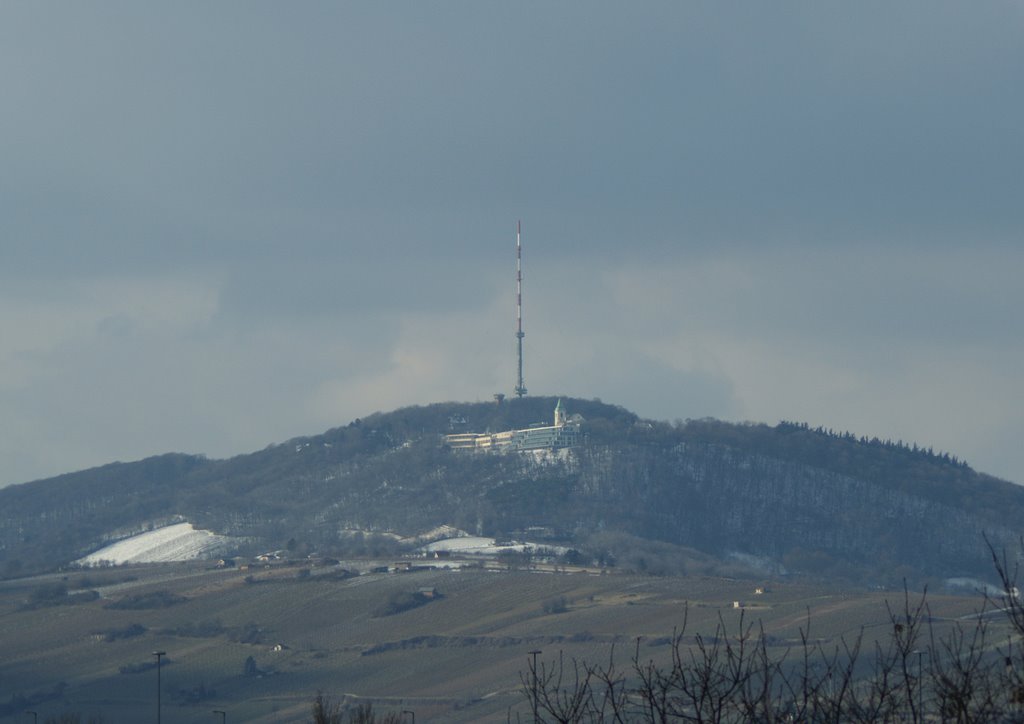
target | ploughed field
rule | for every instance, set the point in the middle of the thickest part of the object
(259, 644)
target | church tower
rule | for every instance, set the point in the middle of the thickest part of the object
(559, 414)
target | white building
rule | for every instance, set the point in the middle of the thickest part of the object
(564, 432)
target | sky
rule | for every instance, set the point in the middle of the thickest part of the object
(225, 225)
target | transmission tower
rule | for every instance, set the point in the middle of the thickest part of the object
(520, 386)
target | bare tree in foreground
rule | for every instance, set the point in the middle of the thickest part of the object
(911, 674)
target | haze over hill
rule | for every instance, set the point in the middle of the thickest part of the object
(637, 494)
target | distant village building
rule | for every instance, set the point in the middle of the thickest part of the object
(565, 432)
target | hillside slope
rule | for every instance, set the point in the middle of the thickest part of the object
(261, 647)
(804, 500)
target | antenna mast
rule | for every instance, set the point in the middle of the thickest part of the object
(520, 386)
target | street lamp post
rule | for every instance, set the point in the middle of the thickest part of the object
(920, 683)
(223, 715)
(534, 654)
(35, 716)
(920, 686)
(1008, 662)
(411, 714)
(158, 655)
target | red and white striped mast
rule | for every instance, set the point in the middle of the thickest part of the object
(520, 386)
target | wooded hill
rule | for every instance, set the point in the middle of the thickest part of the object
(637, 494)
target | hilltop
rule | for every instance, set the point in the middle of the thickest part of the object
(643, 495)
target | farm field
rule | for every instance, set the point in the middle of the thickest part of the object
(260, 644)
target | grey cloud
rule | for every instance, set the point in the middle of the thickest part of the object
(343, 170)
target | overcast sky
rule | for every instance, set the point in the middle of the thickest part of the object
(224, 225)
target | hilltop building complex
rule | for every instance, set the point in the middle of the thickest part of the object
(565, 432)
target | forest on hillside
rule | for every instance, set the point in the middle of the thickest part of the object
(637, 492)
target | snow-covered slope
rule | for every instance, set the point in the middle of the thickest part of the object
(474, 545)
(180, 542)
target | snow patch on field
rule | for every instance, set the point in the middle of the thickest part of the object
(474, 545)
(438, 533)
(180, 542)
(973, 585)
